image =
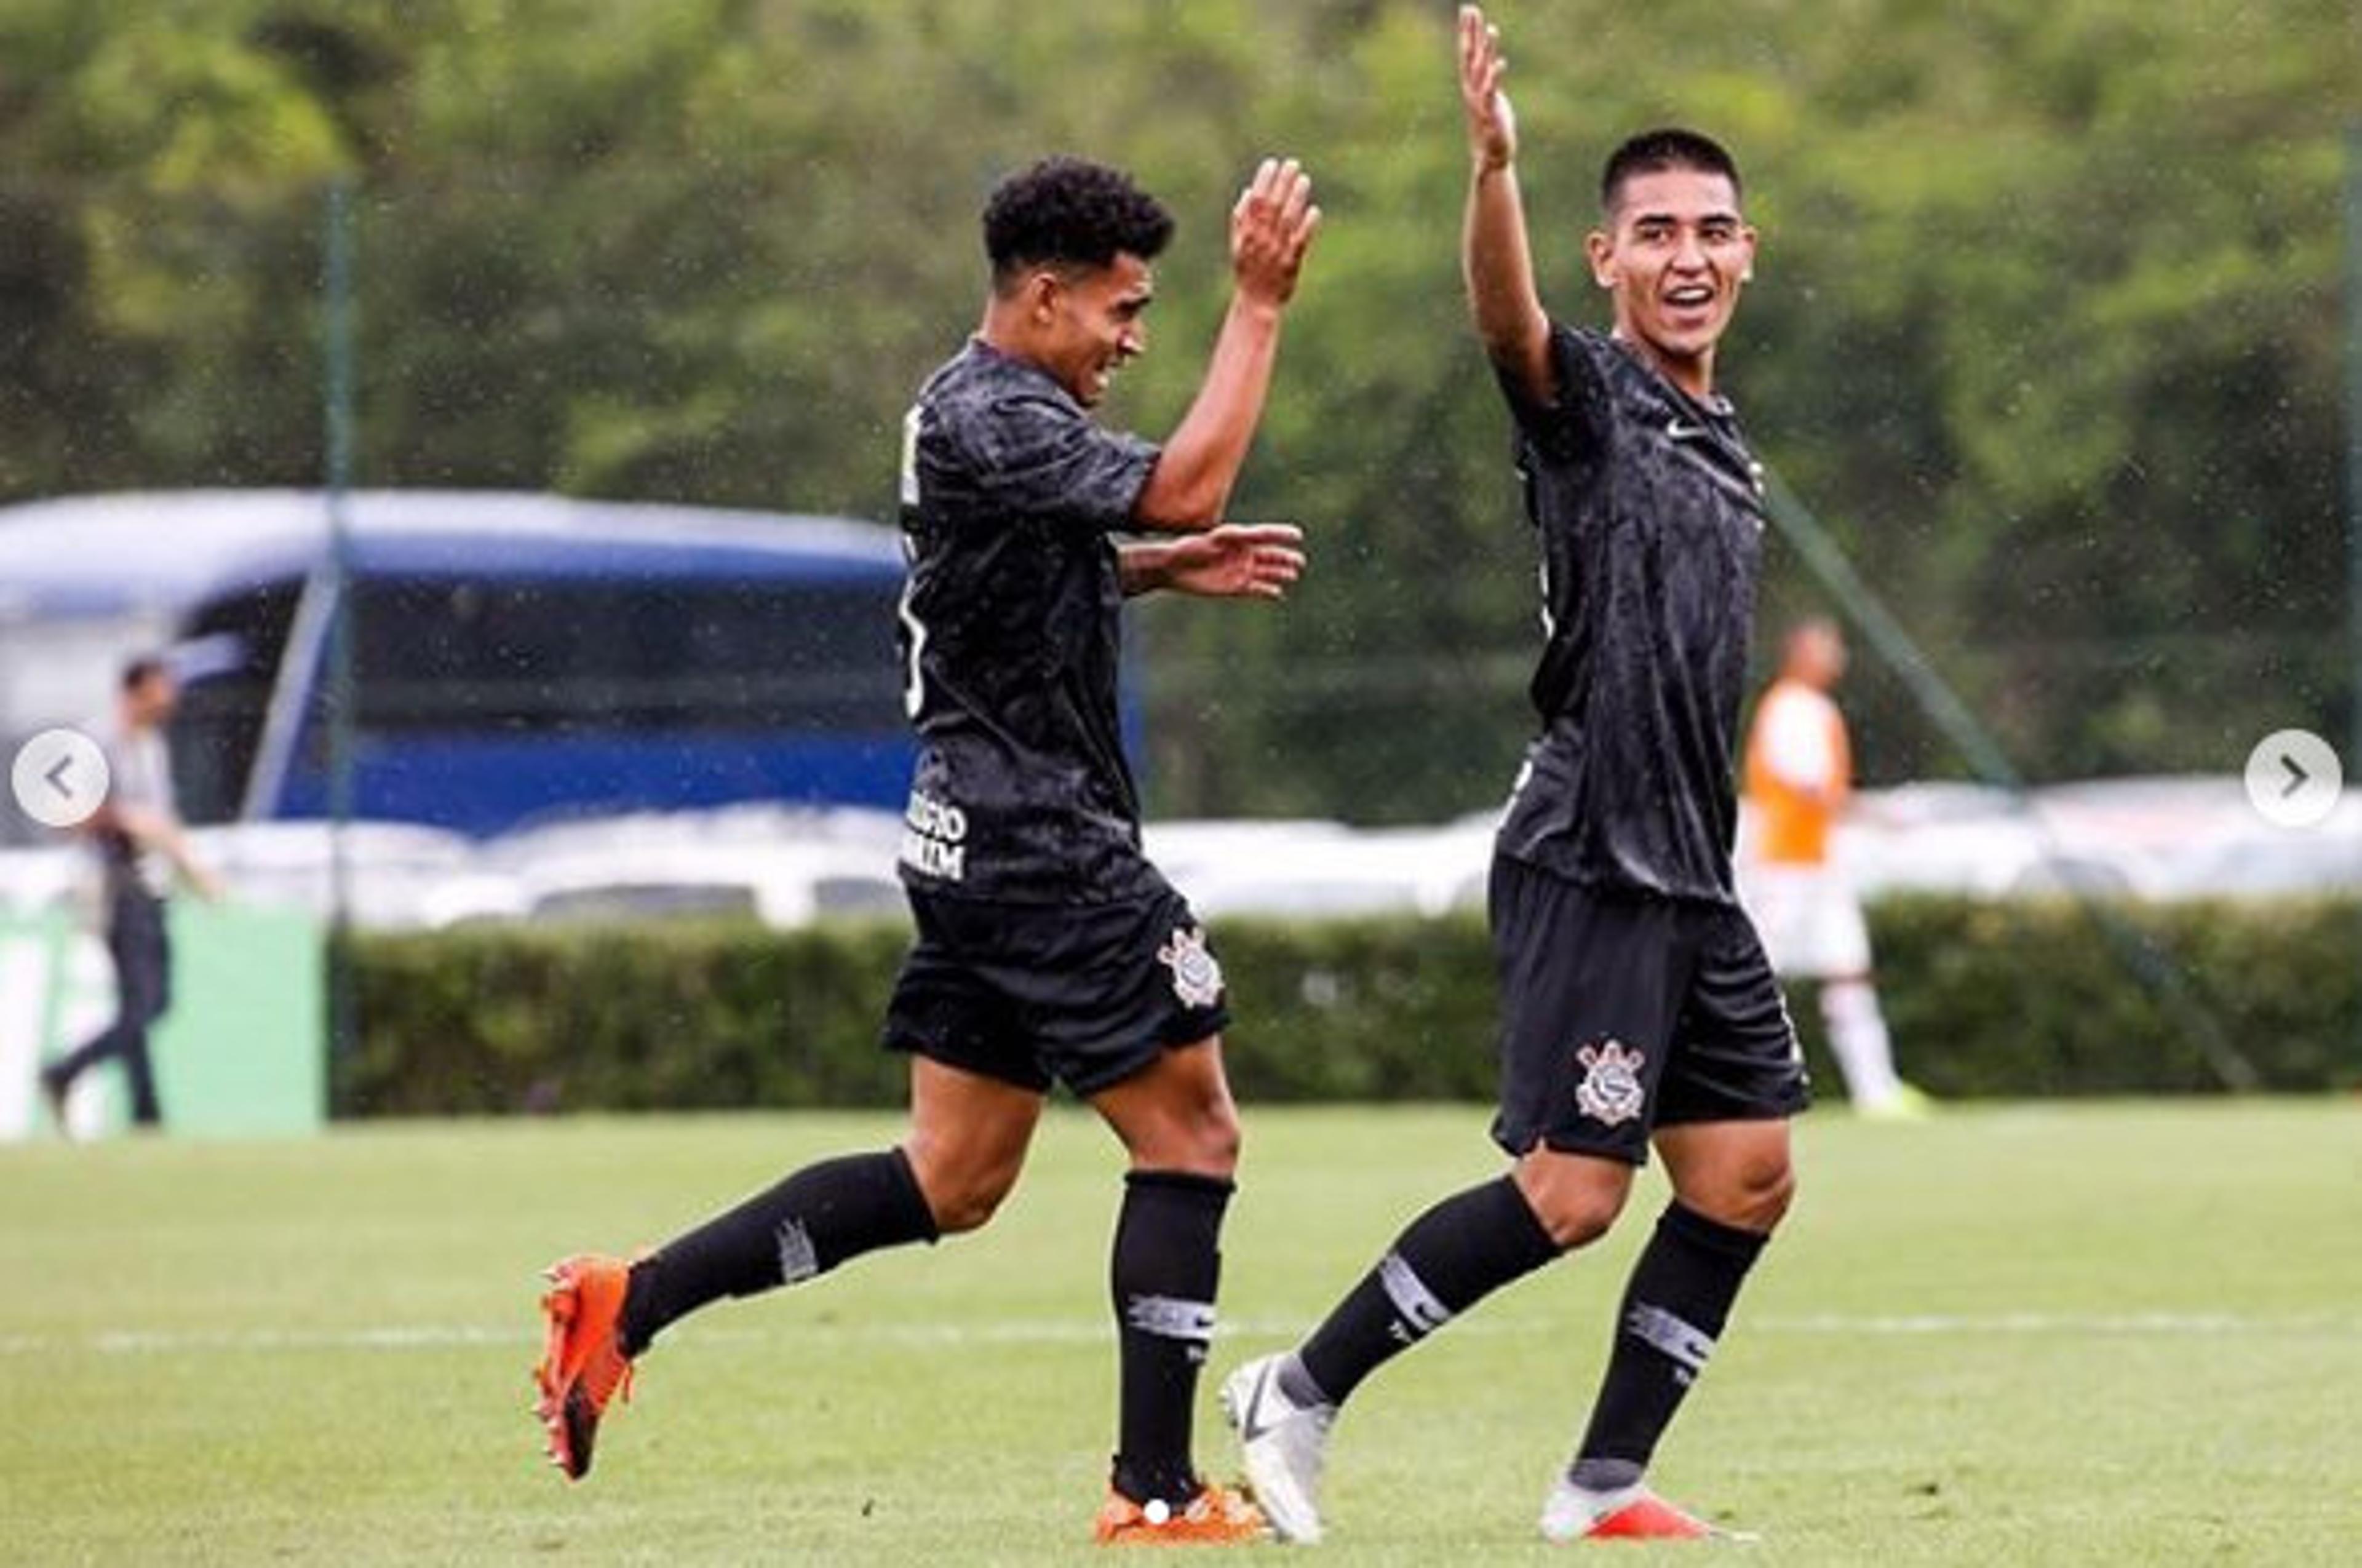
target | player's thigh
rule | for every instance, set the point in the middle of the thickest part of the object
(1175, 1113)
(1779, 900)
(1589, 984)
(968, 1136)
(950, 1005)
(1810, 923)
(145, 971)
(1115, 990)
(1735, 1055)
(1840, 934)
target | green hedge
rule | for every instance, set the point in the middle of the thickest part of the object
(1986, 999)
(2039, 997)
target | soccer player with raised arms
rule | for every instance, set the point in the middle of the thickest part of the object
(1638, 1009)
(1048, 949)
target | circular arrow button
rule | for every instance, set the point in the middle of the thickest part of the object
(2294, 779)
(59, 778)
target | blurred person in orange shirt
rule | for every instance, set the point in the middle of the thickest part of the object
(1799, 777)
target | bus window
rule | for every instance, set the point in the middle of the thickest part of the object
(521, 656)
(219, 725)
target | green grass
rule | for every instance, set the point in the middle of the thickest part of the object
(2116, 1333)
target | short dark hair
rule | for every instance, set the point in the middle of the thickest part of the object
(1670, 147)
(1071, 212)
(139, 670)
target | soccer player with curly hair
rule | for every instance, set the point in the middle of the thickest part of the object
(1048, 949)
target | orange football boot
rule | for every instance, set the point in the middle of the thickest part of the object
(1634, 1514)
(582, 1362)
(1216, 1516)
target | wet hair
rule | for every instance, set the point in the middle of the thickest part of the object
(138, 672)
(1655, 151)
(1070, 212)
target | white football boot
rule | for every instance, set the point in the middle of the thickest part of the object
(1282, 1444)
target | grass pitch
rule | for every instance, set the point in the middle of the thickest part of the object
(2029, 1335)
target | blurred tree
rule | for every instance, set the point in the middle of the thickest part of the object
(2043, 325)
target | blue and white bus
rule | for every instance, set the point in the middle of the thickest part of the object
(515, 658)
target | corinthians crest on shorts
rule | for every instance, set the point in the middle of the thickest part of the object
(1611, 1092)
(1196, 973)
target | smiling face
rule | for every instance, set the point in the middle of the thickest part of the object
(1084, 322)
(1675, 255)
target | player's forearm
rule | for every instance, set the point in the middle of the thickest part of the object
(148, 829)
(1141, 566)
(1190, 486)
(1497, 263)
(184, 861)
(187, 869)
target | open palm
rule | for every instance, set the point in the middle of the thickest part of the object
(1491, 123)
(1237, 560)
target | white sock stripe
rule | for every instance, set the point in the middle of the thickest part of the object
(1169, 1317)
(1411, 1295)
(799, 1260)
(1683, 1342)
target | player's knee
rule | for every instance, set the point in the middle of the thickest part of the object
(1577, 1221)
(1573, 1207)
(1780, 1194)
(1207, 1141)
(1754, 1195)
(968, 1206)
(1196, 1131)
(1224, 1139)
(962, 1193)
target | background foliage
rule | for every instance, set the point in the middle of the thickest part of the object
(2001, 1000)
(2046, 323)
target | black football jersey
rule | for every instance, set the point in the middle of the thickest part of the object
(1012, 639)
(1648, 511)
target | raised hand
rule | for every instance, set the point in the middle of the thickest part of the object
(1491, 123)
(1236, 560)
(1271, 228)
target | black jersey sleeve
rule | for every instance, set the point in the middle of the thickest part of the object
(1573, 423)
(1044, 457)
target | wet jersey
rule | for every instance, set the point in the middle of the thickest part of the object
(1648, 507)
(1010, 640)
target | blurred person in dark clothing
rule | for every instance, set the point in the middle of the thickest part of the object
(141, 854)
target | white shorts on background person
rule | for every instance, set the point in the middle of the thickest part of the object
(1810, 919)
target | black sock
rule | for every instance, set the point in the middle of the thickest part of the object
(1163, 1271)
(1677, 1304)
(806, 1225)
(1445, 1262)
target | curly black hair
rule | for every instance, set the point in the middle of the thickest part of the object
(1070, 211)
(1653, 151)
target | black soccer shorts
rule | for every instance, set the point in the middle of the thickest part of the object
(1623, 1012)
(1083, 994)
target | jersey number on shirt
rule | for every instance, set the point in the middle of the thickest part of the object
(914, 681)
(911, 456)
